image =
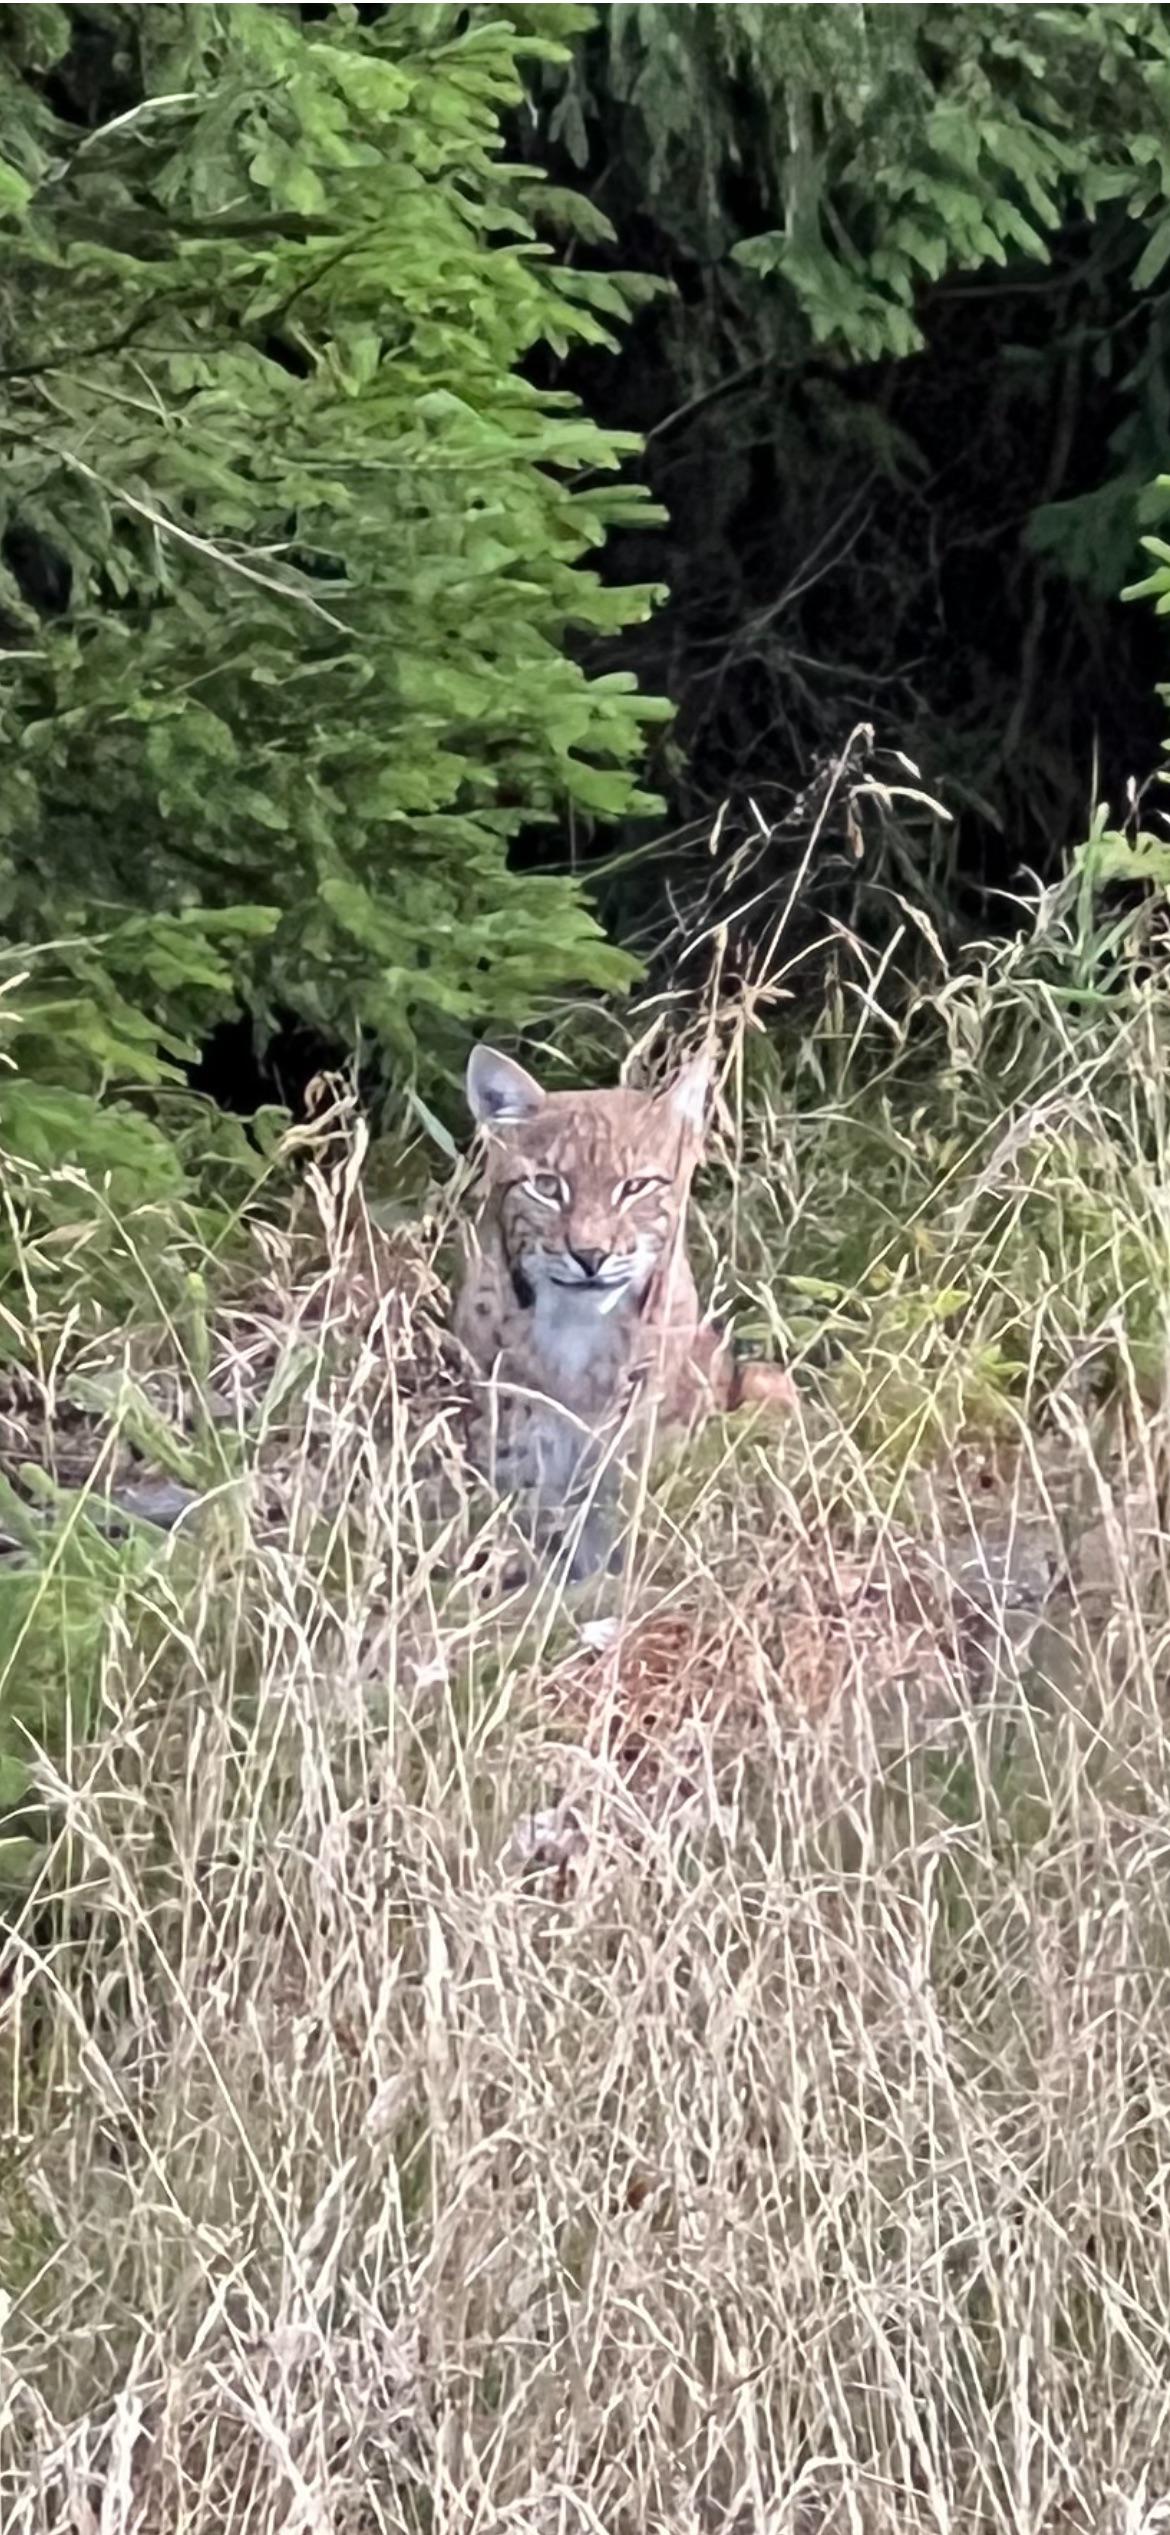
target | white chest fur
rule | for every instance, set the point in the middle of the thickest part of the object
(580, 1354)
(582, 1343)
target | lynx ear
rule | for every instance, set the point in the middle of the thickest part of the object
(499, 1092)
(688, 1094)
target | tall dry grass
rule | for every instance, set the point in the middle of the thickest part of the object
(482, 2061)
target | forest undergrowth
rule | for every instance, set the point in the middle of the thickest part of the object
(690, 2057)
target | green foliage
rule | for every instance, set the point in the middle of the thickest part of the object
(1155, 586)
(64, 1608)
(963, 1220)
(298, 564)
(894, 145)
(973, 202)
(107, 1201)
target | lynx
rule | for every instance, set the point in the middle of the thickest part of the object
(577, 1307)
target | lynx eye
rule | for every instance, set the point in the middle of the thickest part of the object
(548, 1188)
(638, 1187)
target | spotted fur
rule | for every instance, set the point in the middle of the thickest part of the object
(577, 1306)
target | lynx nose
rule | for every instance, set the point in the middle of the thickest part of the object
(590, 1261)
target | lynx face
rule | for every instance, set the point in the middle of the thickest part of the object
(577, 1308)
(586, 1188)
